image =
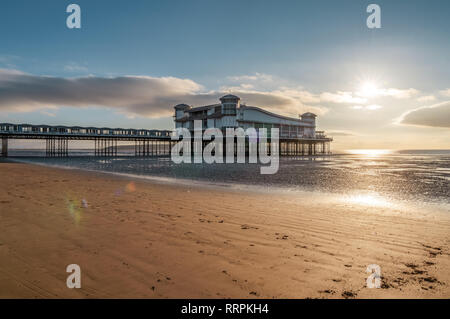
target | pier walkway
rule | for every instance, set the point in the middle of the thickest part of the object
(146, 142)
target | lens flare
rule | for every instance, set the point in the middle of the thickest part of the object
(75, 207)
(131, 187)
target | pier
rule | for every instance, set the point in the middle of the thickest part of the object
(146, 142)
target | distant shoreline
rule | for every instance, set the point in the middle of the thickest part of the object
(335, 152)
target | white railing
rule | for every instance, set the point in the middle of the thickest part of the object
(59, 130)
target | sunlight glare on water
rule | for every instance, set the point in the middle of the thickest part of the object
(369, 152)
(365, 176)
(372, 200)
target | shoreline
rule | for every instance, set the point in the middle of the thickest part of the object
(442, 207)
(143, 239)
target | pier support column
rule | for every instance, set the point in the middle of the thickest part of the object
(5, 146)
(49, 147)
(137, 147)
(58, 147)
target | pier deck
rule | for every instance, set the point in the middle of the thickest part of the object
(147, 142)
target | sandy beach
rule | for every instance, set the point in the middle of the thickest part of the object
(143, 239)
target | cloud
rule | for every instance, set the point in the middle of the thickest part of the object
(437, 115)
(340, 133)
(75, 67)
(391, 92)
(399, 93)
(373, 107)
(131, 95)
(445, 92)
(283, 102)
(300, 94)
(148, 96)
(265, 82)
(154, 97)
(342, 97)
(254, 77)
(243, 86)
(286, 101)
(51, 114)
(8, 61)
(426, 98)
(370, 107)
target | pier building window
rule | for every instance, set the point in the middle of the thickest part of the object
(284, 130)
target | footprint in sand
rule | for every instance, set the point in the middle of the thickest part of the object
(433, 251)
(349, 294)
(245, 226)
(429, 279)
(414, 271)
(385, 283)
(283, 237)
(327, 291)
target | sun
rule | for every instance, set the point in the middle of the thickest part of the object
(368, 89)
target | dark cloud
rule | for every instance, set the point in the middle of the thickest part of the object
(437, 115)
(134, 95)
(146, 96)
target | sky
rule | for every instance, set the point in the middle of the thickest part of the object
(131, 62)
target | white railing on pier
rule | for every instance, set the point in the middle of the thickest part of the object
(26, 129)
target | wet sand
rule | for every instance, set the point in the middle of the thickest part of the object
(142, 239)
